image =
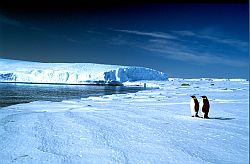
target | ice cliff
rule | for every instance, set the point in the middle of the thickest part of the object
(74, 73)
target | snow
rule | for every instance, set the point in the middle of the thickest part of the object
(74, 73)
(206, 79)
(150, 126)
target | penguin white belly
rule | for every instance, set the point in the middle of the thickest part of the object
(192, 107)
(201, 105)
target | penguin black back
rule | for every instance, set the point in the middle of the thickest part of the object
(205, 106)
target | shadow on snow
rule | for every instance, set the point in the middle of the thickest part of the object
(221, 118)
(216, 118)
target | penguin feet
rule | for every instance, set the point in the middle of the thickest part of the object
(206, 116)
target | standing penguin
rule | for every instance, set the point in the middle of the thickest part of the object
(194, 106)
(205, 106)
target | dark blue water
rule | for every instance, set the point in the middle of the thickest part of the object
(14, 93)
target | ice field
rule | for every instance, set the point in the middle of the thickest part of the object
(150, 126)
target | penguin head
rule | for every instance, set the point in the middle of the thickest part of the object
(193, 97)
(204, 97)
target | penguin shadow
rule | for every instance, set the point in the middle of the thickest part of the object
(221, 118)
(215, 118)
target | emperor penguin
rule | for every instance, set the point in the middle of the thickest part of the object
(194, 106)
(204, 106)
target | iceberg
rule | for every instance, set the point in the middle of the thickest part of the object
(74, 73)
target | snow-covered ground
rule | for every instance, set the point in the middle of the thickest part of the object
(150, 126)
(73, 73)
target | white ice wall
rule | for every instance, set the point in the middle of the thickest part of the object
(73, 73)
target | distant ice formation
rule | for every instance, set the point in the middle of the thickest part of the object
(74, 73)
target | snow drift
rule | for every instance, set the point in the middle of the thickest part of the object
(74, 73)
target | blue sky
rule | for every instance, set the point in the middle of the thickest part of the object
(183, 40)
